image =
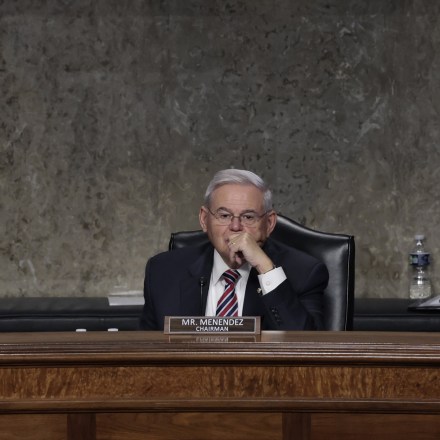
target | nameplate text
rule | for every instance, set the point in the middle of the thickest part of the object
(190, 325)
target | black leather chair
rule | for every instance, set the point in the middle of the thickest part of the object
(337, 251)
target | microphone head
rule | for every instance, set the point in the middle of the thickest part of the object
(202, 281)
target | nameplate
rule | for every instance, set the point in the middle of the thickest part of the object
(191, 325)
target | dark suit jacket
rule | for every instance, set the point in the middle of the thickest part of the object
(176, 284)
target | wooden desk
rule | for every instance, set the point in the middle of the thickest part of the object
(95, 382)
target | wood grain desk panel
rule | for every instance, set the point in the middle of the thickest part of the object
(218, 426)
(301, 375)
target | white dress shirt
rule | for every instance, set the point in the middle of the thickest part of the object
(268, 281)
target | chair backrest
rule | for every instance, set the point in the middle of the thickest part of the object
(336, 251)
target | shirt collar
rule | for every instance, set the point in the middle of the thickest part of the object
(220, 267)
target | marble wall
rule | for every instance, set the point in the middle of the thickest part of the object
(115, 114)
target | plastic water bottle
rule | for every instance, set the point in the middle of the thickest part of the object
(420, 283)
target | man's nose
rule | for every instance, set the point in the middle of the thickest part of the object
(235, 224)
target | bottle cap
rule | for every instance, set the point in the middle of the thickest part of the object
(419, 237)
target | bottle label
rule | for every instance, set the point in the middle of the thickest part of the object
(419, 259)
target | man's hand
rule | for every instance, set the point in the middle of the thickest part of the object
(243, 247)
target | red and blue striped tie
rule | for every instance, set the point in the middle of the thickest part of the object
(227, 305)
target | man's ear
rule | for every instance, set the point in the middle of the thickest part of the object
(203, 213)
(271, 222)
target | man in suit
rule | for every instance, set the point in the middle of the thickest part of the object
(266, 278)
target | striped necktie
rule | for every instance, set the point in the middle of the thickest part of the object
(227, 305)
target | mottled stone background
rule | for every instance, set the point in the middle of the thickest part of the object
(115, 114)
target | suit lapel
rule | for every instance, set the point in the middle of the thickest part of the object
(252, 303)
(194, 287)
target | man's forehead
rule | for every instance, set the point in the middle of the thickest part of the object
(238, 194)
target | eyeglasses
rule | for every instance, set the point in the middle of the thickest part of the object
(246, 219)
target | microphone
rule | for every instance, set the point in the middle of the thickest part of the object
(202, 283)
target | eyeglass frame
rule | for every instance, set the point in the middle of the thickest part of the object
(256, 219)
